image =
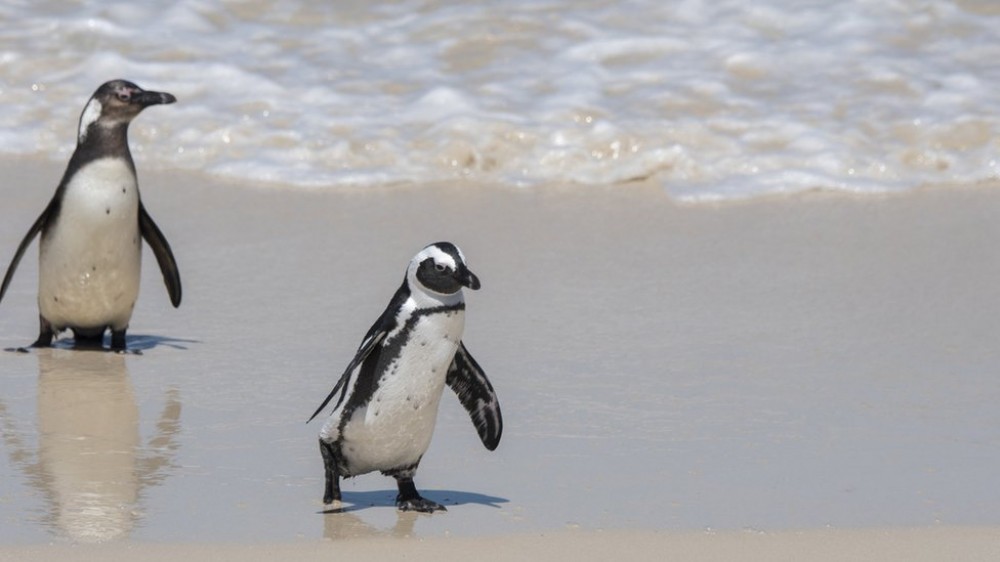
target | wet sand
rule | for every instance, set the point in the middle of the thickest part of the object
(911, 545)
(814, 372)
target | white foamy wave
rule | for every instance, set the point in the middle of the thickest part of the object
(715, 100)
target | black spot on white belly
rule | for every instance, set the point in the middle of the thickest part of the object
(107, 211)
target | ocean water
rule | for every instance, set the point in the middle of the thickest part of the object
(714, 99)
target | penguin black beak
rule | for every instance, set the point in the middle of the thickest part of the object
(468, 279)
(147, 98)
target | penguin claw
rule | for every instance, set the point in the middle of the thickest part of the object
(419, 504)
(332, 506)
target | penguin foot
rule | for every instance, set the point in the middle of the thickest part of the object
(40, 344)
(118, 341)
(419, 504)
(45, 334)
(409, 499)
(331, 488)
(332, 506)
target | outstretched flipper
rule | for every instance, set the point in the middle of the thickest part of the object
(371, 341)
(476, 394)
(161, 249)
(32, 232)
(385, 324)
(331, 490)
(367, 354)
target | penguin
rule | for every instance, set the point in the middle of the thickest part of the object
(387, 400)
(90, 250)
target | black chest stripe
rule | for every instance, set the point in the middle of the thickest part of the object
(380, 357)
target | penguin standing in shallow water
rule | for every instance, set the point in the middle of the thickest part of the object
(90, 252)
(387, 399)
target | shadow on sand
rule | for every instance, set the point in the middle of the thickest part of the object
(387, 498)
(135, 344)
(344, 523)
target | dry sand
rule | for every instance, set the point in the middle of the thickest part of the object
(819, 362)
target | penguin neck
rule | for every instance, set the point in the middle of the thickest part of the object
(103, 141)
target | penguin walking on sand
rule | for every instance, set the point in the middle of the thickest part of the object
(387, 399)
(90, 251)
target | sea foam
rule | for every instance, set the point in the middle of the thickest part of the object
(713, 100)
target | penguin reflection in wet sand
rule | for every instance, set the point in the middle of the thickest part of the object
(90, 252)
(387, 400)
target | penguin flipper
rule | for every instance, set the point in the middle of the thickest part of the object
(371, 341)
(161, 249)
(476, 394)
(25, 242)
(384, 324)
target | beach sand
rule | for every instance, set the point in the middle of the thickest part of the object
(911, 545)
(808, 377)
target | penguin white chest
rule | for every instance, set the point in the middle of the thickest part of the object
(90, 258)
(396, 427)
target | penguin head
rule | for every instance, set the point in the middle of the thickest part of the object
(116, 103)
(440, 268)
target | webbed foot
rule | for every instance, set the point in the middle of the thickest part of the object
(409, 499)
(420, 504)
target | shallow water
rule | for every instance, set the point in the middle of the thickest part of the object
(713, 100)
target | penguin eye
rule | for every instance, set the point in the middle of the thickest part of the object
(440, 267)
(123, 95)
